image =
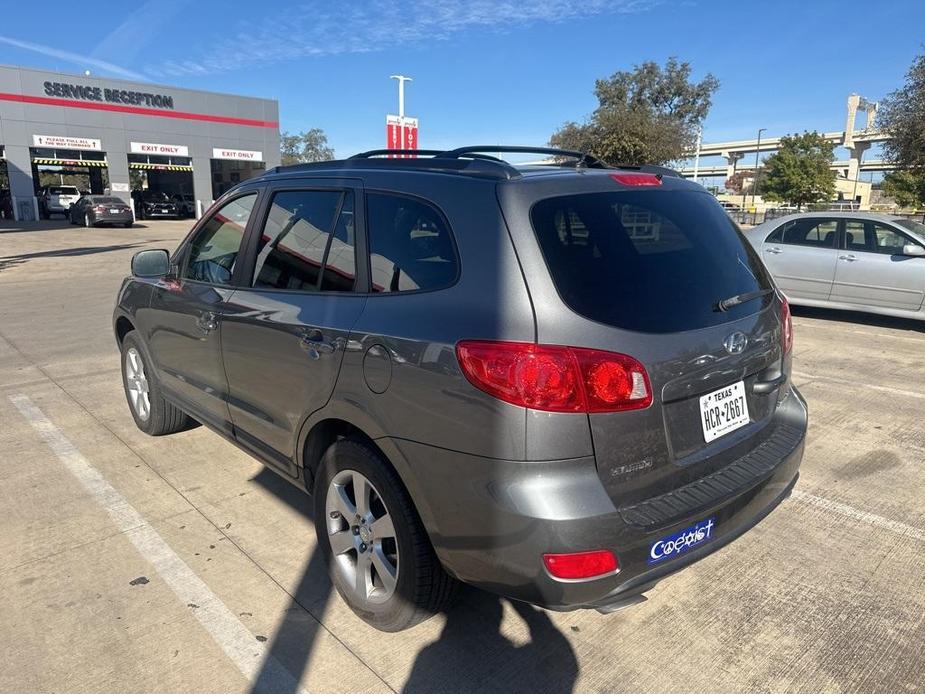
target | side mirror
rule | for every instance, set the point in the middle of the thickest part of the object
(154, 263)
(914, 250)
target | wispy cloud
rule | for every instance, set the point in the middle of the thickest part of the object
(143, 25)
(315, 29)
(82, 61)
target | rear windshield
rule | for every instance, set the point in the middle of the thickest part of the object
(650, 261)
(107, 201)
(63, 190)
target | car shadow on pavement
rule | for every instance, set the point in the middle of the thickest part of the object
(14, 260)
(871, 319)
(471, 653)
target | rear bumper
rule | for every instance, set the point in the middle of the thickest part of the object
(113, 218)
(491, 521)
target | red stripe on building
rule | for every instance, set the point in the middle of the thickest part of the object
(136, 110)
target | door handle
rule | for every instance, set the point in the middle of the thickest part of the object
(207, 322)
(849, 258)
(313, 342)
(775, 251)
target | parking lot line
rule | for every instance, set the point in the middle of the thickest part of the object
(250, 656)
(841, 509)
(856, 385)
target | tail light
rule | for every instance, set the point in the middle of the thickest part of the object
(99, 208)
(554, 378)
(577, 565)
(786, 326)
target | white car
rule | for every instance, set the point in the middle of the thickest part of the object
(858, 261)
(57, 200)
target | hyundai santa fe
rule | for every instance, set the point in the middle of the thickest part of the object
(560, 383)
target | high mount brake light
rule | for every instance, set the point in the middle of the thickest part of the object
(786, 325)
(578, 565)
(637, 179)
(554, 378)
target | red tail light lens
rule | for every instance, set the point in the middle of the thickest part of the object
(99, 208)
(786, 323)
(555, 378)
(637, 179)
(577, 565)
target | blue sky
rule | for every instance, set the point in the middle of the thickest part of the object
(509, 71)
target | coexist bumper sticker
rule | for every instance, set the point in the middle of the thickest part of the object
(693, 536)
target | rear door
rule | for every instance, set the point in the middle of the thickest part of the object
(642, 272)
(286, 329)
(872, 270)
(801, 255)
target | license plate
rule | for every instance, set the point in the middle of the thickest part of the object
(683, 541)
(113, 211)
(723, 411)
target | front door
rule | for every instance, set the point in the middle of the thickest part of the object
(801, 256)
(185, 314)
(286, 328)
(872, 270)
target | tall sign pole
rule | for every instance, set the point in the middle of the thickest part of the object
(401, 131)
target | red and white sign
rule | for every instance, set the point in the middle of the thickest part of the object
(401, 133)
(162, 150)
(67, 142)
(237, 154)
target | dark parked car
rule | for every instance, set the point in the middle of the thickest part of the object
(6, 204)
(97, 210)
(186, 204)
(558, 383)
(156, 204)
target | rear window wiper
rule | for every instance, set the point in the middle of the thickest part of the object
(732, 301)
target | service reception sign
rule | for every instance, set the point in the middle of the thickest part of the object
(67, 142)
(161, 150)
(237, 154)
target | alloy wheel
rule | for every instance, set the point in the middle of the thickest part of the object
(362, 537)
(136, 383)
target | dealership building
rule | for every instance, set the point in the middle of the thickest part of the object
(109, 136)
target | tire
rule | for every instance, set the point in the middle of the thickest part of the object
(159, 417)
(422, 588)
(87, 221)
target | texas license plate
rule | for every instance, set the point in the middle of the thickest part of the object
(723, 411)
(113, 211)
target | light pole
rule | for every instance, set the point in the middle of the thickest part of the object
(757, 170)
(401, 104)
(697, 153)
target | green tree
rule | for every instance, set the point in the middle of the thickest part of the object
(906, 187)
(649, 115)
(304, 147)
(902, 117)
(799, 171)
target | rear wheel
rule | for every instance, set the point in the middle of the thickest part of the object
(378, 553)
(151, 412)
(127, 225)
(87, 220)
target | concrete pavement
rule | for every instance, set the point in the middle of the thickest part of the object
(824, 595)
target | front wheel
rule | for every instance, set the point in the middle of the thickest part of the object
(152, 413)
(379, 555)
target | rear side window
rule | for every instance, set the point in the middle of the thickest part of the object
(410, 245)
(308, 242)
(818, 233)
(650, 261)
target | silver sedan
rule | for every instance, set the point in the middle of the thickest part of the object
(848, 260)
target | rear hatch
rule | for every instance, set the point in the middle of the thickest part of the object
(62, 196)
(643, 271)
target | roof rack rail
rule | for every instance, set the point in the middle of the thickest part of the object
(436, 153)
(584, 159)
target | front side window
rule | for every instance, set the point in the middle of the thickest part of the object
(410, 245)
(887, 240)
(214, 250)
(308, 242)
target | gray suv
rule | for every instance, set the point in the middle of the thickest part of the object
(558, 383)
